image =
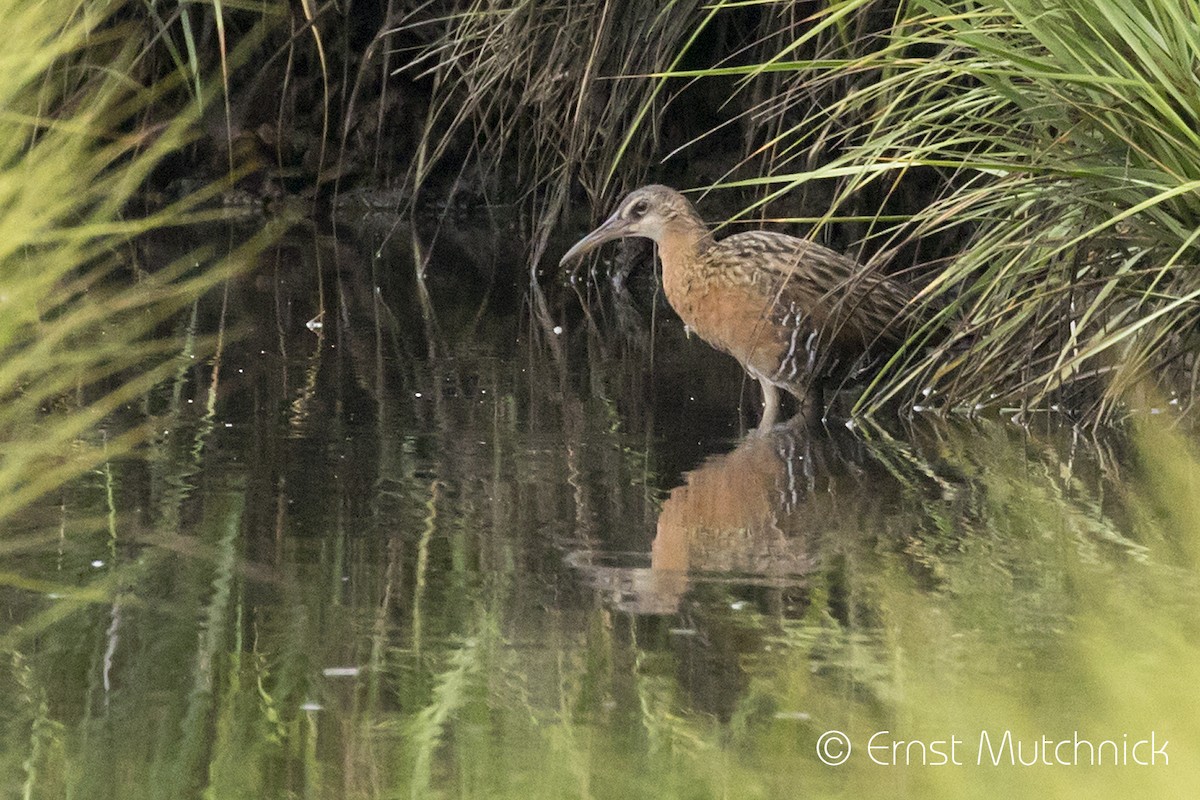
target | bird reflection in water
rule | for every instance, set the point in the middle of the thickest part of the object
(753, 516)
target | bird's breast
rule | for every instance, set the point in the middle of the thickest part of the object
(728, 312)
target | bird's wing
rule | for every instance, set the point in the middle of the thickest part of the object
(827, 284)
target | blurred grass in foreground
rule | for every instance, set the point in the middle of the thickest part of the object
(81, 321)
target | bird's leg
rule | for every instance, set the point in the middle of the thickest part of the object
(770, 404)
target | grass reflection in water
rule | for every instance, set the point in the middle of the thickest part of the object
(376, 575)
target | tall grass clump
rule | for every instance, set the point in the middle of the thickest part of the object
(1063, 141)
(534, 99)
(78, 317)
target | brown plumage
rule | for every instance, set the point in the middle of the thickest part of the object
(792, 312)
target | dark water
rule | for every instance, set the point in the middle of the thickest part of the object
(371, 551)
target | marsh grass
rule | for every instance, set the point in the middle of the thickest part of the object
(533, 98)
(1062, 143)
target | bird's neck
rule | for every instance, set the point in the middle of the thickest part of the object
(682, 246)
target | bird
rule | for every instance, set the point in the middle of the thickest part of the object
(794, 313)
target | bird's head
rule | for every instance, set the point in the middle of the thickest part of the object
(644, 212)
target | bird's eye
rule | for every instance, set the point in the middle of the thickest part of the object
(639, 209)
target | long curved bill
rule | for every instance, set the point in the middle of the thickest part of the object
(613, 228)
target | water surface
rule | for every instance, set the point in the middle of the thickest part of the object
(480, 552)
